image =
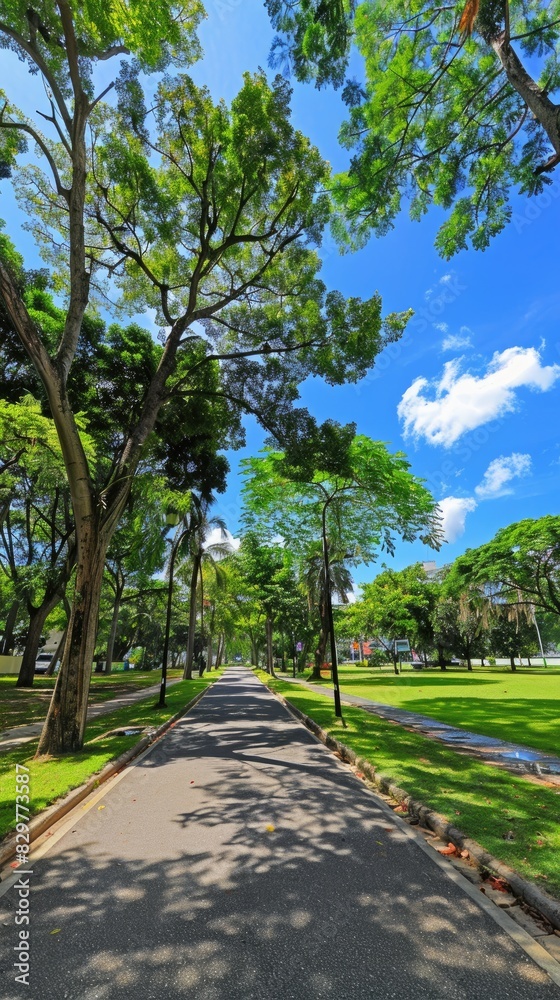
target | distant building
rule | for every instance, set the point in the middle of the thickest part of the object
(430, 568)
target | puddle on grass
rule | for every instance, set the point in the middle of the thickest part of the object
(520, 760)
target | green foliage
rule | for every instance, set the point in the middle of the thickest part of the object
(369, 494)
(442, 117)
(395, 605)
(519, 566)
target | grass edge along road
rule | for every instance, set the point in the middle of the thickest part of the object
(51, 779)
(486, 803)
(521, 707)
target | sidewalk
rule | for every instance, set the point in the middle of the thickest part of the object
(239, 860)
(513, 757)
(11, 738)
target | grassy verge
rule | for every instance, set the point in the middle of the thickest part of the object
(483, 801)
(523, 707)
(50, 779)
(20, 706)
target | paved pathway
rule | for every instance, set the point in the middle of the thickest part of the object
(239, 860)
(11, 738)
(512, 756)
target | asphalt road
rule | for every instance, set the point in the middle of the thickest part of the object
(240, 861)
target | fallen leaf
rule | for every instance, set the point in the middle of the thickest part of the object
(464, 854)
(269, 828)
(424, 760)
(101, 807)
(359, 774)
(499, 884)
(14, 864)
(57, 930)
(389, 829)
(449, 850)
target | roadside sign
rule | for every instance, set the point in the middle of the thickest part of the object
(299, 647)
(402, 646)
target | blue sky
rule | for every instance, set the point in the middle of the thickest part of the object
(480, 425)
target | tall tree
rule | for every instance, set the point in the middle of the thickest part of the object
(215, 231)
(458, 104)
(519, 567)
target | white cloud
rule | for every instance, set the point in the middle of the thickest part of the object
(462, 401)
(453, 512)
(500, 472)
(456, 341)
(442, 327)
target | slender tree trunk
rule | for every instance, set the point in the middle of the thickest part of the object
(219, 650)
(37, 619)
(187, 675)
(254, 652)
(57, 654)
(395, 664)
(8, 635)
(441, 658)
(512, 663)
(27, 669)
(269, 651)
(119, 590)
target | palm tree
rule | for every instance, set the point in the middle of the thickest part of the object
(340, 584)
(200, 526)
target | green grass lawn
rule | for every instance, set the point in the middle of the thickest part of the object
(19, 706)
(50, 779)
(481, 800)
(523, 707)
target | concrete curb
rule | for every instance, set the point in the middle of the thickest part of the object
(45, 819)
(524, 890)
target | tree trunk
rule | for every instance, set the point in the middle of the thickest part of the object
(269, 652)
(57, 654)
(395, 665)
(27, 668)
(220, 650)
(37, 619)
(65, 724)
(119, 590)
(8, 635)
(512, 663)
(320, 654)
(187, 675)
(441, 658)
(536, 98)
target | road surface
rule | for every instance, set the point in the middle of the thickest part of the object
(239, 860)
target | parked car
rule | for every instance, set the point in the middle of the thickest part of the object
(42, 663)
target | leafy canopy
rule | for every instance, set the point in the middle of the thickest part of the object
(455, 108)
(368, 494)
